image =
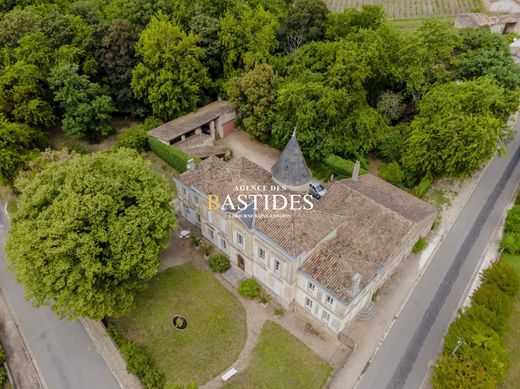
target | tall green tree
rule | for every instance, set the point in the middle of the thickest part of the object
(18, 144)
(248, 38)
(87, 109)
(459, 127)
(485, 53)
(170, 76)
(23, 93)
(342, 24)
(119, 59)
(16, 24)
(255, 95)
(305, 21)
(426, 57)
(88, 232)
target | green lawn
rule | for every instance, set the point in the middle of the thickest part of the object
(280, 360)
(216, 331)
(512, 337)
(408, 26)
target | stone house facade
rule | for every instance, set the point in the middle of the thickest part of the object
(325, 261)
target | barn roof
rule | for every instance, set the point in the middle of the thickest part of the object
(184, 124)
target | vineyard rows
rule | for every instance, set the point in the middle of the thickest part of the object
(402, 9)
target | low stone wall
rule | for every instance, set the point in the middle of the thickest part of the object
(110, 353)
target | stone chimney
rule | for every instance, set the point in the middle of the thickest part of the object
(355, 172)
(355, 283)
(190, 165)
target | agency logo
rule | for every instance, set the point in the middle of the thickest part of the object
(261, 198)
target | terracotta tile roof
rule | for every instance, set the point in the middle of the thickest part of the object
(297, 232)
(184, 124)
(391, 197)
(333, 264)
(375, 224)
(364, 221)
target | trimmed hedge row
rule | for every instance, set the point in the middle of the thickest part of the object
(341, 167)
(474, 351)
(137, 361)
(174, 157)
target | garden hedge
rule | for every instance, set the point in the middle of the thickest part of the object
(481, 359)
(174, 157)
(342, 168)
(137, 361)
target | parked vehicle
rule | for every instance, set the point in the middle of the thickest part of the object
(316, 189)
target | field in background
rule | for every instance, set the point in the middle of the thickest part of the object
(405, 9)
(408, 26)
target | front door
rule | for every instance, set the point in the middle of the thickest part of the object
(240, 262)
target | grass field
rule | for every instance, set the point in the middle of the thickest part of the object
(403, 9)
(408, 26)
(280, 361)
(216, 329)
(512, 337)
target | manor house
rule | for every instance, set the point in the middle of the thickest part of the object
(326, 261)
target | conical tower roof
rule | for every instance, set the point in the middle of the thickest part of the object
(291, 170)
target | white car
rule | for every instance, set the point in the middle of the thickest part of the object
(316, 189)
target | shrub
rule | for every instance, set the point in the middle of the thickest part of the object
(205, 249)
(511, 242)
(491, 297)
(195, 240)
(150, 123)
(422, 187)
(279, 312)
(488, 317)
(219, 263)
(249, 288)
(174, 157)
(513, 220)
(503, 276)
(133, 138)
(341, 167)
(419, 246)
(264, 297)
(391, 172)
(137, 361)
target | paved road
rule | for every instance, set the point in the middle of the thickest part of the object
(404, 357)
(65, 356)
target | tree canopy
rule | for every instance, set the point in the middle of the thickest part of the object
(88, 232)
(460, 126)
(170, 77)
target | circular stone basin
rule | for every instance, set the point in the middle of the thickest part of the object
(180, 322)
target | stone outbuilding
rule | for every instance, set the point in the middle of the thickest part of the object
(502, 24)
(216, 120)
(503, 5)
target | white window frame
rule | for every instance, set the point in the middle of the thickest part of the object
(184, 191)
(211, 233)
(279, 263)
(223, 244)
(259, 254)
(311, 288)
(239, 237)
(329, 300)
(325, 313)
(308, 303)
